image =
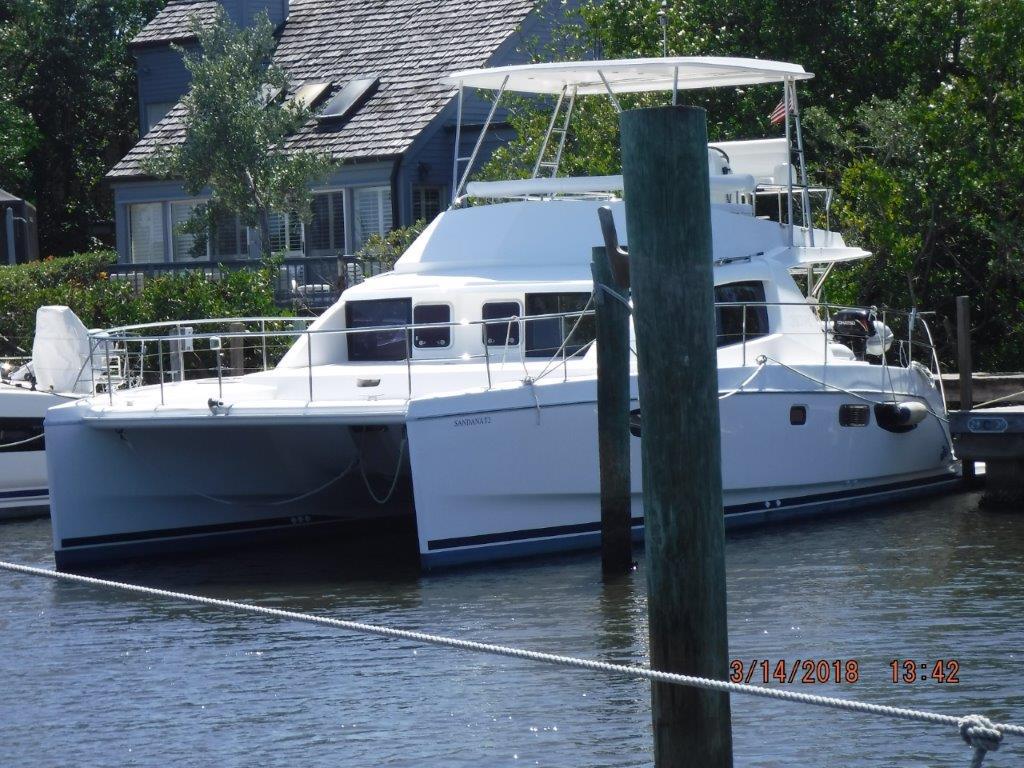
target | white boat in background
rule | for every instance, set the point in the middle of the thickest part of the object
(460, 387)
(56, 372)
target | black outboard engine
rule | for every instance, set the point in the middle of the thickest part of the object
(853, 328)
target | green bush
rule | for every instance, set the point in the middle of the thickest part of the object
(387, 248)
(82, 283)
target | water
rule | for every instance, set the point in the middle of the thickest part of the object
(97, 678)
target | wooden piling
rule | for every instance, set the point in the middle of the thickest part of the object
(963, 361)
(613, 402)
(668, 215)
(236, 349)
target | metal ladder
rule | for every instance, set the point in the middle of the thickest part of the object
(551, 166)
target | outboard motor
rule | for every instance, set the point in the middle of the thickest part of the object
(853, 328)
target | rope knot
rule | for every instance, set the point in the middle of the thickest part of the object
(981, 734)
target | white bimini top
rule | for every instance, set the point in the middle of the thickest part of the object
(630, 75)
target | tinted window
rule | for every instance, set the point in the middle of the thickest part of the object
(431, 337)
(729, 320)
(379, 345)
(544, 337)
(499, 334)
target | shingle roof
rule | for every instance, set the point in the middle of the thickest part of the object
(410, 44)
(173, 21)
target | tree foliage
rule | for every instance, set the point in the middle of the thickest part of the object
(237, 129)
(81, 282)
(914, 116)
(68, 107)
(386, 249)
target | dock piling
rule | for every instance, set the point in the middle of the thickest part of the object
(964, 367)
(668, 215)
(236, 349)
(613, 417)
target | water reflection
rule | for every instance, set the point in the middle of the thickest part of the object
(95, 677)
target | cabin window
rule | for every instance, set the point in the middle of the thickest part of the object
(729, 320)
(431, 338)
(798, 415)
(545, 337)
(378, 345)
(500, 334)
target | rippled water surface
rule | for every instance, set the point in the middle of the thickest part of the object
(91, 677)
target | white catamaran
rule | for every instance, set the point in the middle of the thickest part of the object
(460, 387)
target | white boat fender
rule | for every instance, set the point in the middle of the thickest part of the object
(900, 417)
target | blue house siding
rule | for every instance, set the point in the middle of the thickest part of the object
(162, 76)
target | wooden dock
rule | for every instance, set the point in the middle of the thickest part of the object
(986, 387)
(996, 436)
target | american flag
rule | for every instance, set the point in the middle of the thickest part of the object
(778, 114)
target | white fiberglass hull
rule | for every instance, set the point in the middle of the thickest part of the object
(163, 487)
(23, 481)
(515, 479)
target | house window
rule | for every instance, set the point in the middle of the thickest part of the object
(378, 345)
(146, 232)
(185, 246)
(428, 338)
(544, 337)
(426, 203)
(729, 320)
(500, 334)
(229, 239)
(325, 233)
(155, 112)
(372, 212)
(286, 234)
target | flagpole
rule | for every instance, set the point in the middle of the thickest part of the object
(789, 159)
(806, 197)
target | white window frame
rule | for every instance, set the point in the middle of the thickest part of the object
(163, 231)
(341, 248)
(385, 225)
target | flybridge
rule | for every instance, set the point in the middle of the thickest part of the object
(743, 173)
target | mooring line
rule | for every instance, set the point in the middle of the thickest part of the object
(979, 732)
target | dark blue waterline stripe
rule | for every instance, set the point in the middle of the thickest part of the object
(31, 493)
(735, 509)
(192, 530)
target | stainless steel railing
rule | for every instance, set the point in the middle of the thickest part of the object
(156, 353)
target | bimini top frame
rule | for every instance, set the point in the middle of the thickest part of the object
(629, 75)
(567, 80)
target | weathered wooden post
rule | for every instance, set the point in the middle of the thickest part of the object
(612, 316)
(668, 215)
(236, 349)
(964, 367)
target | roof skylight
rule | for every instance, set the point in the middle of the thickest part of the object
(349, 97)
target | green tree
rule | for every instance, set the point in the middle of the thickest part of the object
(68, 107)
(237, 129)
(915, 115)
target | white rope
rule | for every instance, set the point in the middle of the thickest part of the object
(394, 480)
(982, 734)
(16, 443)
(281, 502)
(760, 367)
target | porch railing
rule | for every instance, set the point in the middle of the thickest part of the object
(313, 283)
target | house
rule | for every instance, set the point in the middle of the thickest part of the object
(394, 150)
(19, 242)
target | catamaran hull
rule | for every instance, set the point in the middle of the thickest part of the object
(23, 482)
(163, 488)
(516, 478)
